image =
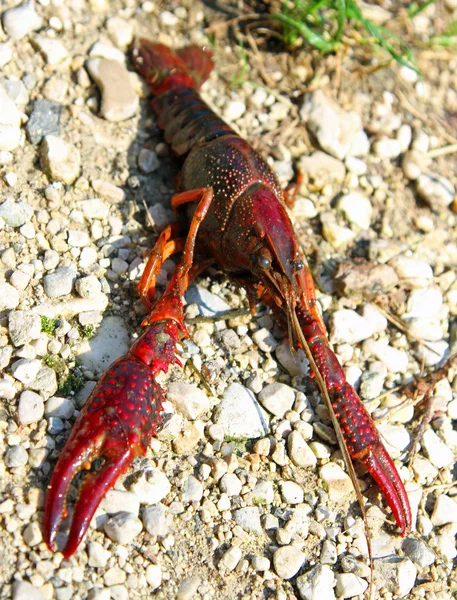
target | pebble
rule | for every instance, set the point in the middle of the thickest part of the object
(240, 415)
(16, 456)
(155, 520)
(148, 161)
(231, 558)
(187, 440)
(291, 492)
(356, 208)
(317, 584)
(114, 576)
(419, 552)
(299, 451)
(394, 359)
(234, 109)
(151, 487)
(111, 342)
(123, 527)
(265, 340)
(349, 585)
(374, 316)
(53, 50)
(209, 305)
(432, 353)
(154, 576)
(192, 490)
(98, 556)
(7, 389)
(287, 561)
(77, 238)
(30, 408)
(336, 130)
(399, 574)
(88, 287)
(19, 280)
(230, 484)
(94, 208)
(277, 398)
(56, 89)
(15, 214)
(23, 326)
(22, 590)
(108, 190)
(60, 160)
(263, 492)
(333, 233)
(6, 54)
(438, 453)
(424, 303)
(120, 31)
(413, 272)
(59, 407)
(295, 363)
(347, 326)
(25, 369)
(10, 122)
(9, 297)
(188, 399)
(337, 483)
(59, 283)
(188, 588)
(21, 20)
(387, 148)
(44, 120)
(119, 99)
(32, 535)
(248, 518)
(97, 593)
(321, 168)
(412, 165)
(436, 190)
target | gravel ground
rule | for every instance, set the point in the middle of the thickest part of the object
(242, 495)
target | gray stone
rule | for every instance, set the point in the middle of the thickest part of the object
(111, 342)
(287, 561)
(321, 168)
(98, 556)
(265, 340)
(117, 501)
(230, 484)
(277, 398)
(22, 590)
(148, 161)
(231, 558)
(25, 369)
(349, 327)
(45, 382)
(398, 574)
(60, 160)
(188, 588)
(123, 527)
(16, 456)
(418, 551)
(317, 584)
(154, 576)
(53, 51)
(88, 287)
(59, 407)
(444, 511)
(291, 492)
(240, 415)
(248, 519)
(436, 190)
(209, 304)
(299, 451)
(21, 20)
(44, 120)
(438, 453)
(349, 585)
(151, 486)
(30, 408)
(155, 520)
(32, 534)
(23, 326)
(188, 399)
(9, 296)
(15, 214)
(59, 283)
(192, 490)
(356, 208)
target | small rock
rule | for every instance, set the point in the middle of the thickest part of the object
(187, 440)
(424, 303)
(6, 54)
(263, 492)
(59, 407)
(333, 233)
(395, 360)
(59, 159)
(22, 590)
(30, 408)
(320, 168)
(88, 287)
(437, 191)
(295, 363)
(120, 31)
(44, 120)
(349, 585)
(209, 305)
(398, 573)
(59, 283)
(356, 208)
(103, 50)
(291, 492)
(23, 326)
(240, 414)
(123, 527)
(32, 534)
(9, 297)
(155, 520)
(16, 456)
(190, 401)
(115, 576)
(277, 398)
(234, 110)
(192, 490)
(337, 482)
(15, 214)
(151, 487)
(413, 272)
(25, 369)
(387, 148)
(108, 190)
(148, 161)
(53, 50)
(117, 501)
(94, 209)
(299, 451)
(317, 584)
(349, 327)
(287, 561)
(248, 519)
(119, 99)
(111, 342)
(7, 389)
(77, 238)
(438, 453)
(265, 340)
(412, 165)
(230, 484)
(154, 576)
(231, 558)
(55, 90)
(20, 21)
(419, 552)
(188, 588)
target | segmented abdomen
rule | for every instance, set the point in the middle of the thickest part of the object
(187, 120)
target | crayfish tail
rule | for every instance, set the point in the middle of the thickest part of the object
(166, 70)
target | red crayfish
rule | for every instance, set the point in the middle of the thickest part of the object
(240, 225)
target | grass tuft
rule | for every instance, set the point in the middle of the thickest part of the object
(48, 325)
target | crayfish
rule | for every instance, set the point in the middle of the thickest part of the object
(241, 226)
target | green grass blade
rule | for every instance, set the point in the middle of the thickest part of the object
(417, 8)
(313, 38)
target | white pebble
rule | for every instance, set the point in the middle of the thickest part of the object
(30, 408)
(424, 303)
(231, 558)
(287, 561)
(356, 208)
(438, 453)
(347, 326)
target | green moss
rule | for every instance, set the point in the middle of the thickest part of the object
(71, 384)
(87, 331)
(48, 325)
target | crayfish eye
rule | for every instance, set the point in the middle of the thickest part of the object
(298, 265)
(264, 262)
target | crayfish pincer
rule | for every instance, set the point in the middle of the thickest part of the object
(241, 225)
